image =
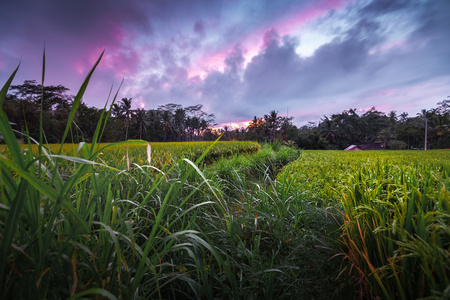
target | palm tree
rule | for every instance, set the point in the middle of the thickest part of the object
(444, 107)
(403, 117)
(328, 130)
(127, 112)
(195, 123)
(179, 122)
(116, 110)
(166, 118)
(256, 129)
(206, 121)
(154, 124)
(424, 114)
(141, 119)
(273, 123)
(225, 130)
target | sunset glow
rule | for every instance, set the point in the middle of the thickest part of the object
(233, 125)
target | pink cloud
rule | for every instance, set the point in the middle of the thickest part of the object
(307, 15)
(389, 92)
(195, 80)
(117, 57)
(121, 62)
(86, 60)
(253, 42)
(288, 25)
(209, 63)
(387, 47)
(79, 66)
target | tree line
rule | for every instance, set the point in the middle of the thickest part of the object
(173, 122)
(170, 122)
(393, 131)
(338, 131)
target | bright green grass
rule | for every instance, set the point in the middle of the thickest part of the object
(326, 175)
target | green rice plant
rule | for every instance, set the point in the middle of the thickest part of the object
(394, 213)
(327, 172)
(255, 166)
(164, 154)
(395, 231)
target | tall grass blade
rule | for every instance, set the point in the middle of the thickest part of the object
(19, 192)
(99, 130)
(109, 112)
(6, 86)
(77, 101)
(94, 291)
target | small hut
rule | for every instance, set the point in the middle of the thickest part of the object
(366, 146)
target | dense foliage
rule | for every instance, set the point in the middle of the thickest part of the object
(170, 122)
(173, 122)
(392, 131)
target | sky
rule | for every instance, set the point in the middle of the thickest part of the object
(240, 59)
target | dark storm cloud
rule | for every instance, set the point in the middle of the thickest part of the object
(427, 48)
(384, 6)
(434, 25)
(199, 28)
(278, 74)
(277, 65)
(222, 90)
(235, 60)
(278, 77)
(74, 34)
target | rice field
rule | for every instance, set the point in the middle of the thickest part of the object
(141, 153)
(327, 174)
(394, 211)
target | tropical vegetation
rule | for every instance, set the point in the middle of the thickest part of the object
(229, 220)
(175, 123)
